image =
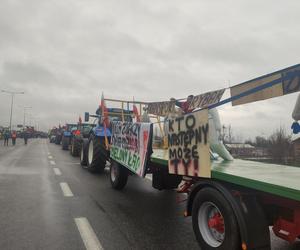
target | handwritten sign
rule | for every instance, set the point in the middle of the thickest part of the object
(206, 99)
(188, 145)
(130, 145)
(161, 108)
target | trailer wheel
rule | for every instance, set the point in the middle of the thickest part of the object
(214, 222)
(84, 152)
(118, 175)
(96, 154)
(65, 143)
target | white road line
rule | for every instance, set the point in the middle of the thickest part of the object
(52, 163)
(87, 234)
(66, 189)
(57, 171)
(50, 157)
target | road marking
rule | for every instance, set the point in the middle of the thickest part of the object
(50, 157)
(66, 189)
(52, 163)
(57, 171)
(87, 234)
(49, 153)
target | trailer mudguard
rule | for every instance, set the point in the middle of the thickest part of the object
(253, 225)
(101, 132)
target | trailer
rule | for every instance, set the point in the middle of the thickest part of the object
(236, 206)
(231, 209)
(232, 202)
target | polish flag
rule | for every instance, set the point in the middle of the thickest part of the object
(136, 113)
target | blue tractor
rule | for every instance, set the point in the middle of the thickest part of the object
(66, 135)
(95, 150)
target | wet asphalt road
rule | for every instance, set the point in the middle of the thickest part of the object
(35, 214)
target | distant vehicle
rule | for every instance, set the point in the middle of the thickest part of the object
(67, 134)
(52, 134)
(58, 135)
(78, 136)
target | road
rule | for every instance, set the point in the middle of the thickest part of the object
(49, 202)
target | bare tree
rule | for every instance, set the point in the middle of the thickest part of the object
(280, 146)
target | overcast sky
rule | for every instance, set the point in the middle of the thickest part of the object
(63, 54)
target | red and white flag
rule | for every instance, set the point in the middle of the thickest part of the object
(104, 111)
(136, 113)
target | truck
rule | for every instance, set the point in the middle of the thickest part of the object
(232, 202)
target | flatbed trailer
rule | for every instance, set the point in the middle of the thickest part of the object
(259, 194)
(232, 202)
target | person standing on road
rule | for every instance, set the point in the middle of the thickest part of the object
(6, 138)
(25, 136)
(13, 137)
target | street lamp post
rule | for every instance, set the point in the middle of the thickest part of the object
(12, 93)
(28, 107)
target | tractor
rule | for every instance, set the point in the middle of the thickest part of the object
(82, 132)
(95, 150)
(66, 135)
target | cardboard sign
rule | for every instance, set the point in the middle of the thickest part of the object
(189, 146)
(279, 83)
(161, 108)
(130, 145)
(206, 99)
(198, 101)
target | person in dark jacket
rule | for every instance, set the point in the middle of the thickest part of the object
(6, 138)
(25, 136)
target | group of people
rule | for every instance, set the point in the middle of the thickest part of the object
(13, 135)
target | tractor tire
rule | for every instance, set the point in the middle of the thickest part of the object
(75, 147)
(118, 175)
(84, 152)
(57, 140)
(65, 143)
(214, 223)
(97, 154)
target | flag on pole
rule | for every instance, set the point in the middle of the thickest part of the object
(136, 112)
(105, 120)
(104, 111)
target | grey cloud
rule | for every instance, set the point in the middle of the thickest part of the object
(63, 54)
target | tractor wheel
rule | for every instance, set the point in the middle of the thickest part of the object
(97, 154)
(65, 143)
(57, 140)
(84, 152)
(75, 147)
